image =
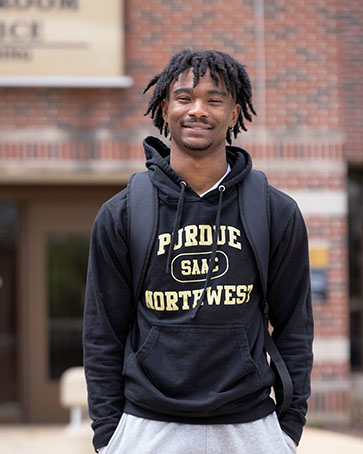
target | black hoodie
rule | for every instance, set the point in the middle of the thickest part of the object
(194, 352)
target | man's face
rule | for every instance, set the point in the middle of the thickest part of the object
(198, 118)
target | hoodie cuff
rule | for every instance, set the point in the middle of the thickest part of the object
(293, 426)
(103, 434)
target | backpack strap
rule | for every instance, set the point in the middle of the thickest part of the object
(143, 213)
(254, 200)
(254, 204)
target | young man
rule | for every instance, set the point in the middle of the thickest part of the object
(188, 372)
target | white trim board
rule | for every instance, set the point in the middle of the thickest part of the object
(66, 81)
(321, 202)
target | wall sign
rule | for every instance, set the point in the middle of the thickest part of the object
(61, 42)
(319, 261)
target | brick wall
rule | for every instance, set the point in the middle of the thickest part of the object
(350, 73)
(305, 61)
(313, 87)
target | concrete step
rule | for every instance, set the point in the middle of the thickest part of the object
(62, 439)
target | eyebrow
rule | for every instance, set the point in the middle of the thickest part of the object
(178, 91)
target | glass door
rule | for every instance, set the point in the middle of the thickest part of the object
(56, 257)
(67, 256)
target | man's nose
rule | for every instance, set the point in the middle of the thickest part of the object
(198, 109)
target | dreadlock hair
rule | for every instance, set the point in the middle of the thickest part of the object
(233, 73)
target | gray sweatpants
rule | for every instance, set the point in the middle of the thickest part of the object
(145, 436)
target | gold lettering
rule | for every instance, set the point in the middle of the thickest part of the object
(195, 269)
(214, 296)
(164, 240)
(250, 288)
(241, 292)
(171, 300)
(205, 235)
(185, 267)
(204, 267)
(185, 294)
(179, 244)
(216, 268)
(159, 303)
(202, 235)
(197, 294)
(191, 233)
(149, 299)
(233, 233)
(221, 235)
(228, 289)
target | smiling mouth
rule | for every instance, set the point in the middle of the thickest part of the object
(197, 127)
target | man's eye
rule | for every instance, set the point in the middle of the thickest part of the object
(183, 98)
(215, 100)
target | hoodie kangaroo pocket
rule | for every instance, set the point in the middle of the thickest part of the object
(188, 370)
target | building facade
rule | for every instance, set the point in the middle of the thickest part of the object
(65, 149)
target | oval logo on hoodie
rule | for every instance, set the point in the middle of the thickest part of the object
(194, 267)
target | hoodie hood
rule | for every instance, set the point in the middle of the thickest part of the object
(169, 182)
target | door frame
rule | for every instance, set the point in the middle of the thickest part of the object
(82, 201)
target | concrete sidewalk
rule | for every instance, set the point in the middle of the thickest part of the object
(62, 440)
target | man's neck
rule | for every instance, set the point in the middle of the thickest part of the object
(201, 171)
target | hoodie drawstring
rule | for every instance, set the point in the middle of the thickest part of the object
(221, 189)
(176, 226)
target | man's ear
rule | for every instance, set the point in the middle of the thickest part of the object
(164, 108)
(235, 114)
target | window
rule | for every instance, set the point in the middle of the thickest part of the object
(67, 256)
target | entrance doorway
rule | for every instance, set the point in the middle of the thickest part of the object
(48, 257)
